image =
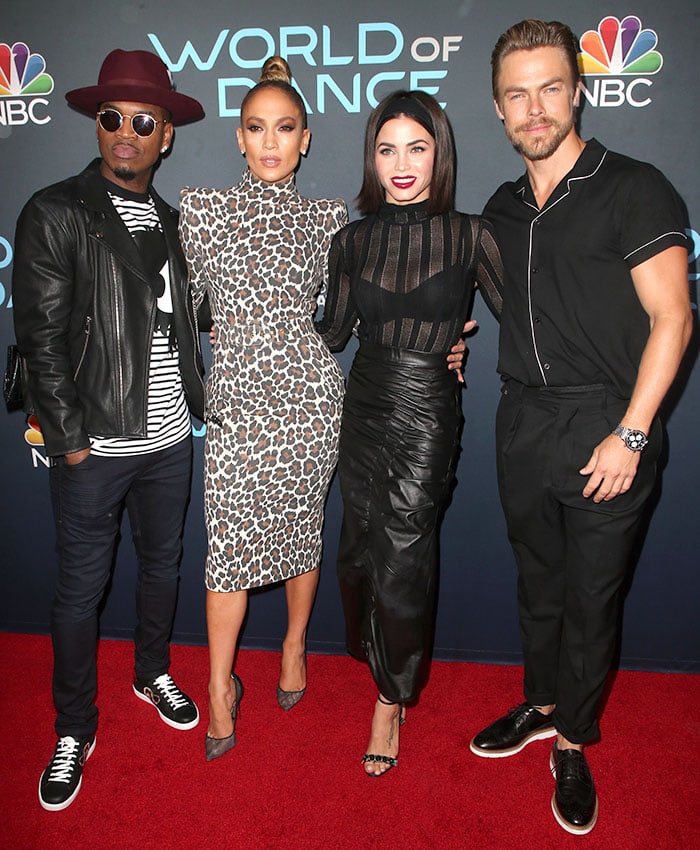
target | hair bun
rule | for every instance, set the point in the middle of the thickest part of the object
(276, 68)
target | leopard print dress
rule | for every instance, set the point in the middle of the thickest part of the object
(274, 392)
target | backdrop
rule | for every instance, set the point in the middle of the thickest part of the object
(640, 86)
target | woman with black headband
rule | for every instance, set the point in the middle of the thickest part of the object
(407, 272)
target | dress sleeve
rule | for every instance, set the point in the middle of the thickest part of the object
(339, 315)
(335, 219)
(192, 245)
(489, 268)
(339, 215)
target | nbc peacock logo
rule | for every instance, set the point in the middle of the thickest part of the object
(33, 435)
(35, 440)
(23, 84)
(619, 49)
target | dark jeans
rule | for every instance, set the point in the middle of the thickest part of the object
(572, 553)
(87, 502)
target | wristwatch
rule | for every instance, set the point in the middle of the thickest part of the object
(633, 438)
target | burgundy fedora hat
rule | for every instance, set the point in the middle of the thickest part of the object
(140, 77)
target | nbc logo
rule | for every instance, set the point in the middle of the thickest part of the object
(23, 75)
(5, 261)
(35, 440)
(618, 48)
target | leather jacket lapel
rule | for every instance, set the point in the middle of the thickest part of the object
(107, 226)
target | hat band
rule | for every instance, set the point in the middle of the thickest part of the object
(135, 83)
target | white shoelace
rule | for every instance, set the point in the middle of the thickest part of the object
(170, 691)
(67, 753)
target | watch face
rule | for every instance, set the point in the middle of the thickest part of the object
(636, 440)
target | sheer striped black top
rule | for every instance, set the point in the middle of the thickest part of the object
(409, 278)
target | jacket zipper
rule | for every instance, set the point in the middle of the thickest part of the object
(191, 322)
(117, 322)
(88, 320)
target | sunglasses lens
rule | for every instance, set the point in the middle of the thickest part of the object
(143, 125)
(110, 120)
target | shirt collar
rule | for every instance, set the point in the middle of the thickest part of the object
(404, 213)
(586, 165)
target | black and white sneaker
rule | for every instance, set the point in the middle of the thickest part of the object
(61, 781)
(175, 708)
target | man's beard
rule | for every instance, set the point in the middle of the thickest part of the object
(124, 173)
(542, 148)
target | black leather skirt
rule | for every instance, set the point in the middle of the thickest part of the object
(399, 442)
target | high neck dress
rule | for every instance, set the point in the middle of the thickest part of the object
(274, 392)
(405, 280)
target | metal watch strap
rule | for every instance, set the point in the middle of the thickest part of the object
(633, 438)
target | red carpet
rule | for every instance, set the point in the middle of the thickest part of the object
(294, 781)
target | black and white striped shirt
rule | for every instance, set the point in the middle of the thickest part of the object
(168, 418)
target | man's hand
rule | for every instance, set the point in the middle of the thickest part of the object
(74, 458)
(611, 468)
(455, 358)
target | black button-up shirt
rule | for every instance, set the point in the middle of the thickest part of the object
(571, 316)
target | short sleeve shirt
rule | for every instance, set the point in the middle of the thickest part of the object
(571, 315)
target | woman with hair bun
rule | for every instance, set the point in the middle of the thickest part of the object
(405, 276)
(274, 393)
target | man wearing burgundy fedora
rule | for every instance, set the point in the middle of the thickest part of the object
(104, 319)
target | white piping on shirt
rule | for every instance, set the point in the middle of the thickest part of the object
(529, 257)
(651, 242)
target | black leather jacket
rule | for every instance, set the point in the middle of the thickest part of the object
(84, 314)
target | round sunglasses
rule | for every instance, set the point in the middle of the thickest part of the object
(142, 124)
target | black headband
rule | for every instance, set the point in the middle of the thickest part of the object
(402, 105)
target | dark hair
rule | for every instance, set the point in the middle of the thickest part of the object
(442, 186)
(276, 74)
(530, 34)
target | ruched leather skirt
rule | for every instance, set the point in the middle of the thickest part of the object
(399, 442)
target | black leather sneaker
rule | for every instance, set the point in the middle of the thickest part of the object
(175, 708)
(61, 781)
(508, 735)
(574, 802)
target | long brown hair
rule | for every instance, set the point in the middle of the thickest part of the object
(442, 186)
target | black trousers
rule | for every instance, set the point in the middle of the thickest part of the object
(572, 554)
(87, 502)
(399, 440)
